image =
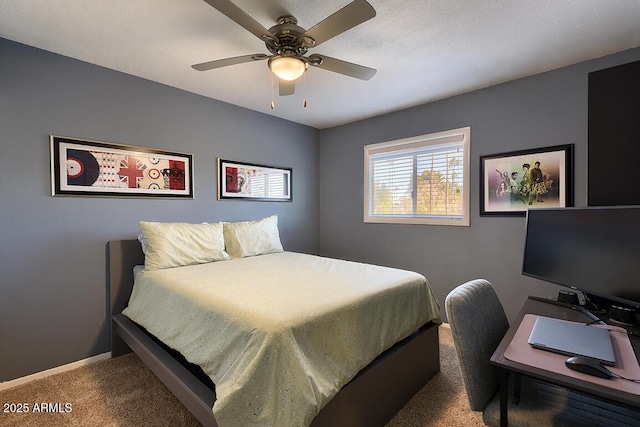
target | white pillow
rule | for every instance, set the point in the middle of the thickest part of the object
(249, 238)
(143, 244)
(177, 244)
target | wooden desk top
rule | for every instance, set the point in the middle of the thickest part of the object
(548, 309)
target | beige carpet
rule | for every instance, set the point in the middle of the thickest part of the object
(122, 392)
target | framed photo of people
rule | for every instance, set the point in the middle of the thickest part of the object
(511, 183)
(81, 167)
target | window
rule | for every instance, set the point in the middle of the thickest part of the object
(419, 180)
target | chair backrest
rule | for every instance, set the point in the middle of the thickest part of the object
(478, 323)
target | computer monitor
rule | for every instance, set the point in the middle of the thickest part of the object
(595, 250)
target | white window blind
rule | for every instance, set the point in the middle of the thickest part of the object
(419, 180)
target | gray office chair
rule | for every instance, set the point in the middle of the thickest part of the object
(478, 323)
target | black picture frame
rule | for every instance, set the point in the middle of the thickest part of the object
(254, 182)
(513, 194)
(81, 167)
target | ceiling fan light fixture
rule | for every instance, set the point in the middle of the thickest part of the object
(287, 67)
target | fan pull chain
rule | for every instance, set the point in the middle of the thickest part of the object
(304, 90)
(273, 104)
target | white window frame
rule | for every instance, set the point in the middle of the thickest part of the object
(415, 143)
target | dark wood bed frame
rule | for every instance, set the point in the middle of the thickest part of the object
(371, 399)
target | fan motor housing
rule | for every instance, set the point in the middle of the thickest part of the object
(288, 38)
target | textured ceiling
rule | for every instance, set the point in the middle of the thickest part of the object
(423, 50)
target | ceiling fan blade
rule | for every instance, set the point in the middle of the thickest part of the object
(353, 14)
(219, 63)
(240, 17)
(287, 87)
(343, 67)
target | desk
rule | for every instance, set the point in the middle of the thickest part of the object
(542, 308)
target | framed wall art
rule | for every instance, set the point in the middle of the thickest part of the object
(91, 168)
(511, 183)
(247, 181)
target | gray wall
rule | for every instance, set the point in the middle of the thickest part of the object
(52, 249)
(542, 110)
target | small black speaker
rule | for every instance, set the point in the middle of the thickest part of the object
(622, 314)
(568, 297)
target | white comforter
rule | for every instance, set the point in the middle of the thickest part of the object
(280, 334)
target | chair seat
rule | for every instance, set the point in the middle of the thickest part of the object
(543, 404)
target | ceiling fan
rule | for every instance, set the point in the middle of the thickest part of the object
(288, 43)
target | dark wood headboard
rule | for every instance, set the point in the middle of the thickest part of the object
(122, 256)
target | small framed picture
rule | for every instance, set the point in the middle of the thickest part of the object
(91, 168)
(248, 181)
(511, 183)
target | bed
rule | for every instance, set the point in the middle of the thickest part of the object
(370, 398)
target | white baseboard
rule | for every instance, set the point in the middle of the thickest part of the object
(73, 365)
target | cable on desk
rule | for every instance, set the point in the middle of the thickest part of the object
(619, 331)
(624, 378)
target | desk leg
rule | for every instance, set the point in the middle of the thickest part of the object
(504, 397)
(516, 389)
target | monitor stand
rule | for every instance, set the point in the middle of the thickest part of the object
(632, 329)
(581, 309)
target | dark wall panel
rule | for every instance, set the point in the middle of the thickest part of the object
(614, 136)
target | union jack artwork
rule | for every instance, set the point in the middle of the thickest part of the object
(95, 168)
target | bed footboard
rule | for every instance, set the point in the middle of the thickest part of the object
(381, 389)
(193, 394)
